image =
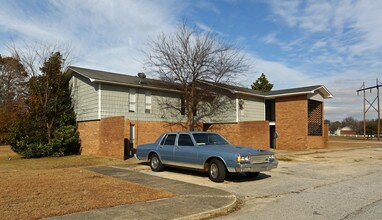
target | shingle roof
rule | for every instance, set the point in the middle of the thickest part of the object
(300, 90)
(122, 79)
(236, 89)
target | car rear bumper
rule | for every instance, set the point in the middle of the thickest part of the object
(255, 167)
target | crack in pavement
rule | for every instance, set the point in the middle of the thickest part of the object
(362, 209)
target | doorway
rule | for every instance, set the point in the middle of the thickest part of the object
(272, 136)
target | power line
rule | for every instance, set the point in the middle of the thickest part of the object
(371, 105)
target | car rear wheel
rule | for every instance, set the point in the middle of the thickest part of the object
(216, 171)
(155, 163)
(252, 174)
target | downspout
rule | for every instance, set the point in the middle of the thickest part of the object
(237, 109)
(99, 101)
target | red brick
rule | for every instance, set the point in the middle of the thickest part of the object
(292, 122)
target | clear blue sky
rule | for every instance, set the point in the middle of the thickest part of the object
(295, 43)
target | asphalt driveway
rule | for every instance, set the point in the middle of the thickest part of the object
(328, 184)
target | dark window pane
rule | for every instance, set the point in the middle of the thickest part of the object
(270, 113)
(182, 106)
(170, 140)
(209, 139)
(185, 140)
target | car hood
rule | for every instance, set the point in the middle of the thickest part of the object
(239, 150)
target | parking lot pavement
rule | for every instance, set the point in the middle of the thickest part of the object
(190, 201)
(340, 184)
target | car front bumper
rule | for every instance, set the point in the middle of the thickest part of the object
(255, 167)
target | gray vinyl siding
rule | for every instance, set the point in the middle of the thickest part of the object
(228, 116)
(115, 102)
(159, 113)
(85, 98)
(254, 109)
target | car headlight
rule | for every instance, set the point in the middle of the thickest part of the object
(243, 159)
(271, 157)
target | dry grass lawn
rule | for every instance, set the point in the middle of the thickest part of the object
(38, 188)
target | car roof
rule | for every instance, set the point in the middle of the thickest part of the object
(190, 132)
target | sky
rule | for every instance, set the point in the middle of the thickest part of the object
(296, 43)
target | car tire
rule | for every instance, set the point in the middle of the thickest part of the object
(252, 174)
(216, 171)
(155, 163)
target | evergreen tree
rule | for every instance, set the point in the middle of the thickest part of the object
(262, 84)
(49, 128)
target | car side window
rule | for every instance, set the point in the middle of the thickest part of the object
(185, 140)
(170, 140)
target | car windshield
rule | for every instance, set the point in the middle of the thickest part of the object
(209, 139)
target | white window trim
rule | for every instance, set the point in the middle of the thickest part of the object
(237, 109)
(134, 103)
(148, 101)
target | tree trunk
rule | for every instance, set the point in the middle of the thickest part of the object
(49, 132)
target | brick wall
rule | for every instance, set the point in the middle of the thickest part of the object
(254, 134)
(149, 131)
(103, 137)
(112, 137)
(89, 137)
(292, 122)
(107, 137)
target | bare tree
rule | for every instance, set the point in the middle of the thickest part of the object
(197, 63)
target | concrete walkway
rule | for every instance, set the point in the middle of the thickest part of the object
(191, 201)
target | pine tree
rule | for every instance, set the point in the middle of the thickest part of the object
(262, 84)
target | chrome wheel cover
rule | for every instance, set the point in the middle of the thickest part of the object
(214, 171)
(154, 162)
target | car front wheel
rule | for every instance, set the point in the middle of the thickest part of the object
(155, 163)
(216, 171)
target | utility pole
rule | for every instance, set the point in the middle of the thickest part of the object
(371, 105)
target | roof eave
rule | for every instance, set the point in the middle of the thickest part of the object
(134, 85)
(288, 94)
(328, 95)
(322, 89)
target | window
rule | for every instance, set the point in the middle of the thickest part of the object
(185, 140)
(209, 139)
(132, 100)
(182, 106)
(170, 139)
(314, 118)
(147, 102)
(270, 113)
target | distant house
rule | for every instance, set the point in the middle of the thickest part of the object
(345, 131)
(116, 112)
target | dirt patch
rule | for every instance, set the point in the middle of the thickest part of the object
(39, 188)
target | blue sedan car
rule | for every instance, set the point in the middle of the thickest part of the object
(205, 151)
